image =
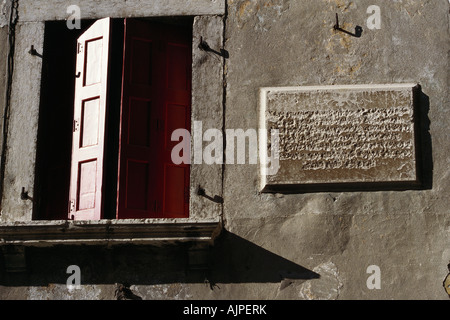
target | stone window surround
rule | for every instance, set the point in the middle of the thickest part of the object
(16, 224)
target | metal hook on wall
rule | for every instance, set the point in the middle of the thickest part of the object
(358, 29)
(33, 52)
(202, 193)
(203, 45)
(25, 196)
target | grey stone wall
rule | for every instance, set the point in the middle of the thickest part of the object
(3, 54)
(310, 245)
(292, 43)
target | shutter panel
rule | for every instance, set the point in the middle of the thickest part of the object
(176, 114)
(155, 101)
(138, 123)
(91, 87)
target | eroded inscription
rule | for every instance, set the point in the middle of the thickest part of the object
(351, 139)
(345, 134)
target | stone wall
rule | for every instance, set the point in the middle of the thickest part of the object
(293, 43)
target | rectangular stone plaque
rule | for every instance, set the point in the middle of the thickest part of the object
(349, 136)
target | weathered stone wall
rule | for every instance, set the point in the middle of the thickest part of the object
(3, 54)
(293, 43)
(4, 21)
(309, 245)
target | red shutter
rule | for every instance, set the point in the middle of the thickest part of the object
(176, 113)
(89, 122)
(138, 123)
(155, 101)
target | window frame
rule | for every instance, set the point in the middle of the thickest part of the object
(204, 224)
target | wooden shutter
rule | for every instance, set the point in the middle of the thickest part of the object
(136, 188)
(155, 101)
(90, 106)
(176, 112)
